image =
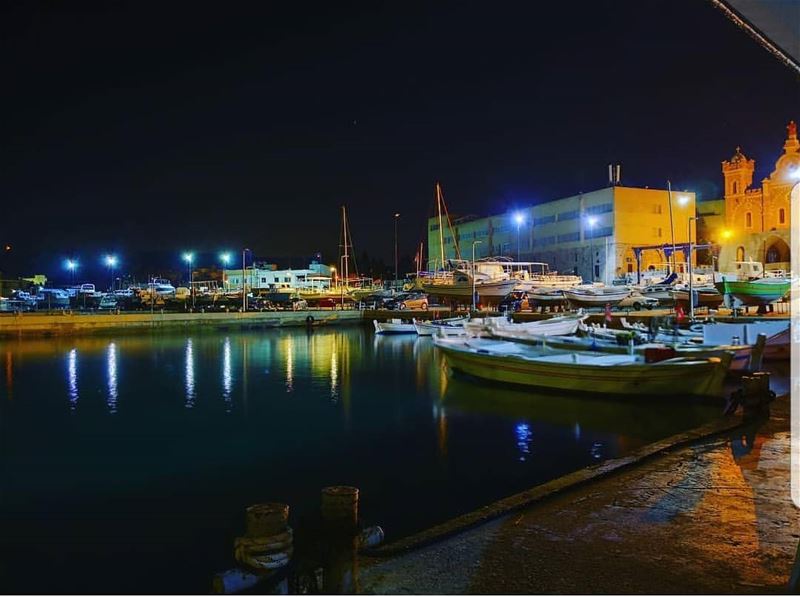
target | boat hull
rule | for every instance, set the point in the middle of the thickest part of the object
(703, 378)
(589, 300)
(485, 290)
(393, 328)
(756, 292)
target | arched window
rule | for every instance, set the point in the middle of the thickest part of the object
(748, 220)
(740, 254)
(735, 187)
(781, 216)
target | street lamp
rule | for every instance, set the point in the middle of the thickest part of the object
(111, 263)
(244, 286)
(475, 242)
(71, 265)
(396, 217)
(592, 221)
(189, 258)
(519, 218)
(689, 267)
(225, 258)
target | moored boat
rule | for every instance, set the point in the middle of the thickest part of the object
(445, 327)
(585, 372)
(703, 297)
(596, 296)
(394, 326)
(756, 292)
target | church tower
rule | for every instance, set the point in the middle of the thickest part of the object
(738, 173)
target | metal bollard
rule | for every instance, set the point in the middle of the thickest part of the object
(340, 506)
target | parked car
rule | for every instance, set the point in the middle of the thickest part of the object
(107, 302)
(637, 301)
(407, 301)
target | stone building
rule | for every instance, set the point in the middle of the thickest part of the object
(757, 219)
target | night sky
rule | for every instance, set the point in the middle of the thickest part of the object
(159, 127)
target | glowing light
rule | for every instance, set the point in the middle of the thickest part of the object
(794, 173)
(519, 218)
(225, 258)
(72, 378)
(683, 200)
(71, 265)
(189, 374)
(111, 260)
(111, 370)
(524, 435)
(227, 376)
(188, 257)
(592, 221)
(727, 234)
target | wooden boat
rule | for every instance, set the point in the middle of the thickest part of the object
(746, 357)
(585, 372)
(756, 292)
(704, 297)
(453, 326)
(458, 285)
(596, 296)
(546, 297)
(393, 326)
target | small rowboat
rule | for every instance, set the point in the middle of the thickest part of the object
(393, 326)
(585, 372)
(445, 327)
(596, 296)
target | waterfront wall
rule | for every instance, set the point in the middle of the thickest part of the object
(35, 324)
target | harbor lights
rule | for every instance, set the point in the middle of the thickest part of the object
(111, 262)
(591, 221)
(519, 219)
(188, 258)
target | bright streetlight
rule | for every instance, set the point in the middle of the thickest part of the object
(111, 262)
(71, 265)
(689, 267)
(188, 257)
(519, 218)
(226, 258)
(244, 286)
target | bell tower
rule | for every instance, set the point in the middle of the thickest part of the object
(738, 174)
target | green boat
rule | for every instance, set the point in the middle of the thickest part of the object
(762, 291)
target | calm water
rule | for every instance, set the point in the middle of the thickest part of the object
(127, 462)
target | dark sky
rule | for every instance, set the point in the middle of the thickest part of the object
(166, 126)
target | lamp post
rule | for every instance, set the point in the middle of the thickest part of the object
(475, 242)
(244, 286)
(111, 263)
(592, 221)
(689, 267)
(519, 218)
(71, 266)
(225, 258)
(189, 258)
(396, 217)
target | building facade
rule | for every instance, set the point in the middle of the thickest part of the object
(757, 220)
(595, 235)
(316, 277)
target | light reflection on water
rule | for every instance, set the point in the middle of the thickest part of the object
(381, 413)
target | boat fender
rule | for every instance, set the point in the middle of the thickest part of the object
(310, 320)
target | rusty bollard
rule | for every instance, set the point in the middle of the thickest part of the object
(339, 510)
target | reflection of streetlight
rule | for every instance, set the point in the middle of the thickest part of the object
(592, 222)
(519, 218)
(475, 242)
(189, 258)
(111, 263)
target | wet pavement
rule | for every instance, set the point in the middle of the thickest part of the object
(712, 517)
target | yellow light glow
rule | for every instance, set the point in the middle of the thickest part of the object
(727, 234)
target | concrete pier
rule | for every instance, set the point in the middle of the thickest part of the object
(62, 324)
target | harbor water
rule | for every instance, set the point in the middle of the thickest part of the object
(127, 461)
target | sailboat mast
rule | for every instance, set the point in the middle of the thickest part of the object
(441, 228)
(346, 256)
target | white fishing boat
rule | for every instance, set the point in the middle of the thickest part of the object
(585, 372)
(746, 357)
(445, 327)
(596, 296)
(394, 326)
(563, 325)
(459, 285)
